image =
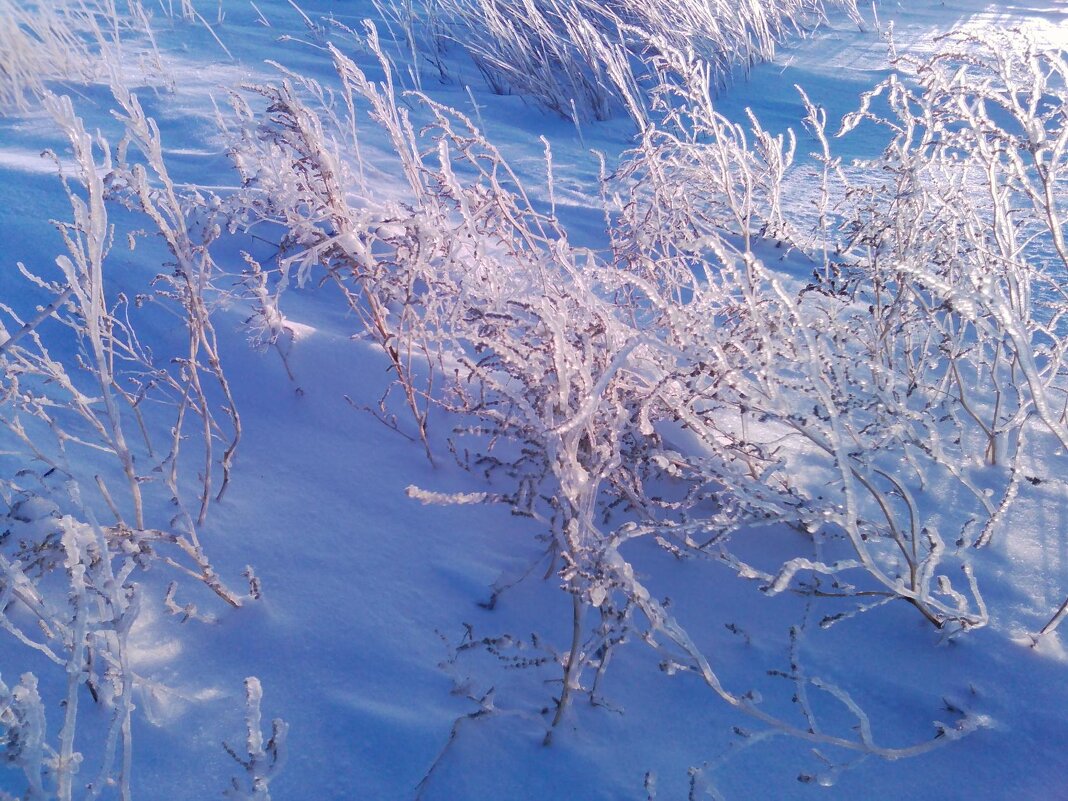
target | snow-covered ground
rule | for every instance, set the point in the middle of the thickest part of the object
(368, 594)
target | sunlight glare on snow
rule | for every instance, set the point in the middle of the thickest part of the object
(299, 331)
(32, 162)
(1050, 646)
(147, 648)
(150, 653)
(1049, 28)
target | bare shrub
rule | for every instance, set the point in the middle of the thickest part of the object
(910, 359)
(567, 369)
(91, 424)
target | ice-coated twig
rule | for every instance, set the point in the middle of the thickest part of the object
(262, 761)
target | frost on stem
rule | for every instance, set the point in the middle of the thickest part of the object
(587, 60)
(83, 631)
(22, 733)
(912, 372)
(75, 43)
(188, 226)
(56, 411)
(92, 423)
(262, 761)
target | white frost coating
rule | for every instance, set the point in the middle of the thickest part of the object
(445, 498)
(790, 569)
(263, 761)
(838, 415)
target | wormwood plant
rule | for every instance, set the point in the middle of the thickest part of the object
(985, 126)
(920, 366)
(95, 434)
(801, 417)
(296, 178)
(913, 353)
(572, 372)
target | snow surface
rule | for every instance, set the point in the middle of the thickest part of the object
(366, 590)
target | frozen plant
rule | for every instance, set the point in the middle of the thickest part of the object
(84, 633)
(925, 344)
(92, 426)
(296, 177)
(100, 404)
(74, 41)
(584, 59)
(22, 735)
(564, 370)
(188, 226)
(45, 42)
(262, 761)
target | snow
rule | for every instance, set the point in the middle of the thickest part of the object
(374, 587)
